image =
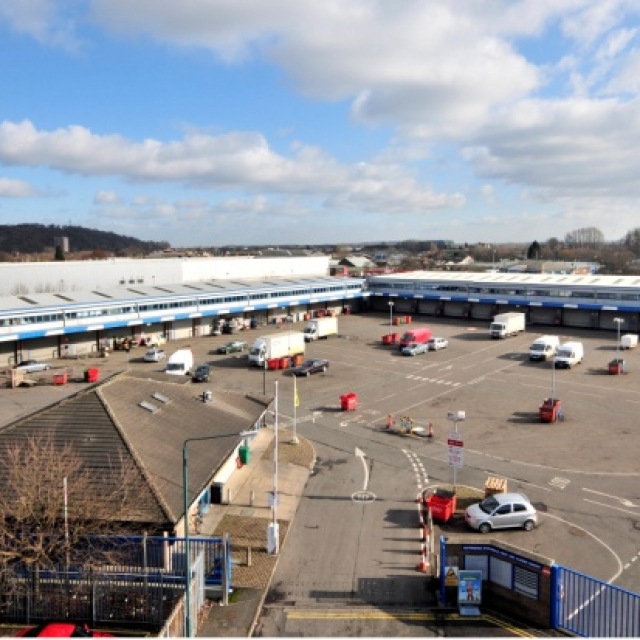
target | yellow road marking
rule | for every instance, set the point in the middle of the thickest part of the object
(311, 614)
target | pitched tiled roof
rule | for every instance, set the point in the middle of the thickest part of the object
(107, 426)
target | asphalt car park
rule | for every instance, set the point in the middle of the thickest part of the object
(581, 474)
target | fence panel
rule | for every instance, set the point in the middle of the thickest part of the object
(592, 608)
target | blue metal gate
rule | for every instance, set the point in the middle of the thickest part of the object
(592, 608)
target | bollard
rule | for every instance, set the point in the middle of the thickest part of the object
(251, 498)
(248, 556)
(228, 496)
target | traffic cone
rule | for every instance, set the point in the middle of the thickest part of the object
(423, 566)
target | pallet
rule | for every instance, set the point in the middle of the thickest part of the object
(494, 485)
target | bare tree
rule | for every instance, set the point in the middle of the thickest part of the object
(52, 505)
(587, 237)
(632, 241)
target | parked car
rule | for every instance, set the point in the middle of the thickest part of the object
(154, 355)
(201, 373)
(233, 346)
(32, 366)
(502, 511)
(435, 344)
(62, 630)
(415, 349)
(310, 366)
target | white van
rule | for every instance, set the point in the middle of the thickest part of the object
(180, 362)
(569, 353)
(544, 348)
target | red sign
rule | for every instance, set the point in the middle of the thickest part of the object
(454, 443)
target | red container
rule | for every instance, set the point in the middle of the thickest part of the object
(395, 338)
(284, 363)
(93, 374)
(407, 319)
(298, 360)
(386, 339)
(549, 410)
(273, 364)
(349, 402)
(442, 504)
(60, 378)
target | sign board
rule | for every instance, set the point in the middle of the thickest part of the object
(451, 577)
(456, 450)
(470, 588)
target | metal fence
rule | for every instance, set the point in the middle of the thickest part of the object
(592, 608)
(140, 591)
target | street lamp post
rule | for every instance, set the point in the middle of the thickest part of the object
(390, 317)
(618, 321)
(187, 539)
(274, 528)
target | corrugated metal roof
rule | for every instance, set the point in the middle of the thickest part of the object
(107, 426)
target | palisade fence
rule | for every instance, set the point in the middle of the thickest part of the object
(591, 608)
(141, 591)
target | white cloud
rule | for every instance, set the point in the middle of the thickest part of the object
(106, 197)
(234, 161)
(46, 21)
(11, 188)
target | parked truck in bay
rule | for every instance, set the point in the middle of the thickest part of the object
(414, 337)
(507, 324)
(321, 328)
(287, 344)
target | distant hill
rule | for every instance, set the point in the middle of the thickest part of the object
(38, 238)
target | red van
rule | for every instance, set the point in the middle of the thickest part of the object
(415, 336)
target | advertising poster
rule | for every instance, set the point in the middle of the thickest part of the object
(470, 588)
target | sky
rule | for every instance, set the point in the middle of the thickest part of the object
(217, 122)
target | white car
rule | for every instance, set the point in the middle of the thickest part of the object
(435, 344)
(32, 366)
(154, 355)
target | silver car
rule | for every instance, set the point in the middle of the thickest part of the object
(502, 511)
(415, 349)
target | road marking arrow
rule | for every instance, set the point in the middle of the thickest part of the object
(361, 454)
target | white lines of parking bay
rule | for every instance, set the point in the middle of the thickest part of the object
(434, 380)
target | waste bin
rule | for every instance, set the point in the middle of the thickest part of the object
(245, 454)
(93, 374)
(386, 339)
(60, 378)
(273, 364)
(395, 338)
(284, 363)
(442, 504)
(617, 366)
(550, 410)
(349, 401)
(298, 360)
(407, 319)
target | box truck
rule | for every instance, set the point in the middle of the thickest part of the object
(180, 362)
(321, 328)
(278, 345)
(507, 324)
(629, 341)
(544, 348)
(415, 336)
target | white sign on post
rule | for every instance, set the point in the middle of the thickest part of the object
(456, 451)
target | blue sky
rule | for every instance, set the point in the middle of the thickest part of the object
(211, 122)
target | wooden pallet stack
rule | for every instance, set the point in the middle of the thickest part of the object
(494, 485)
